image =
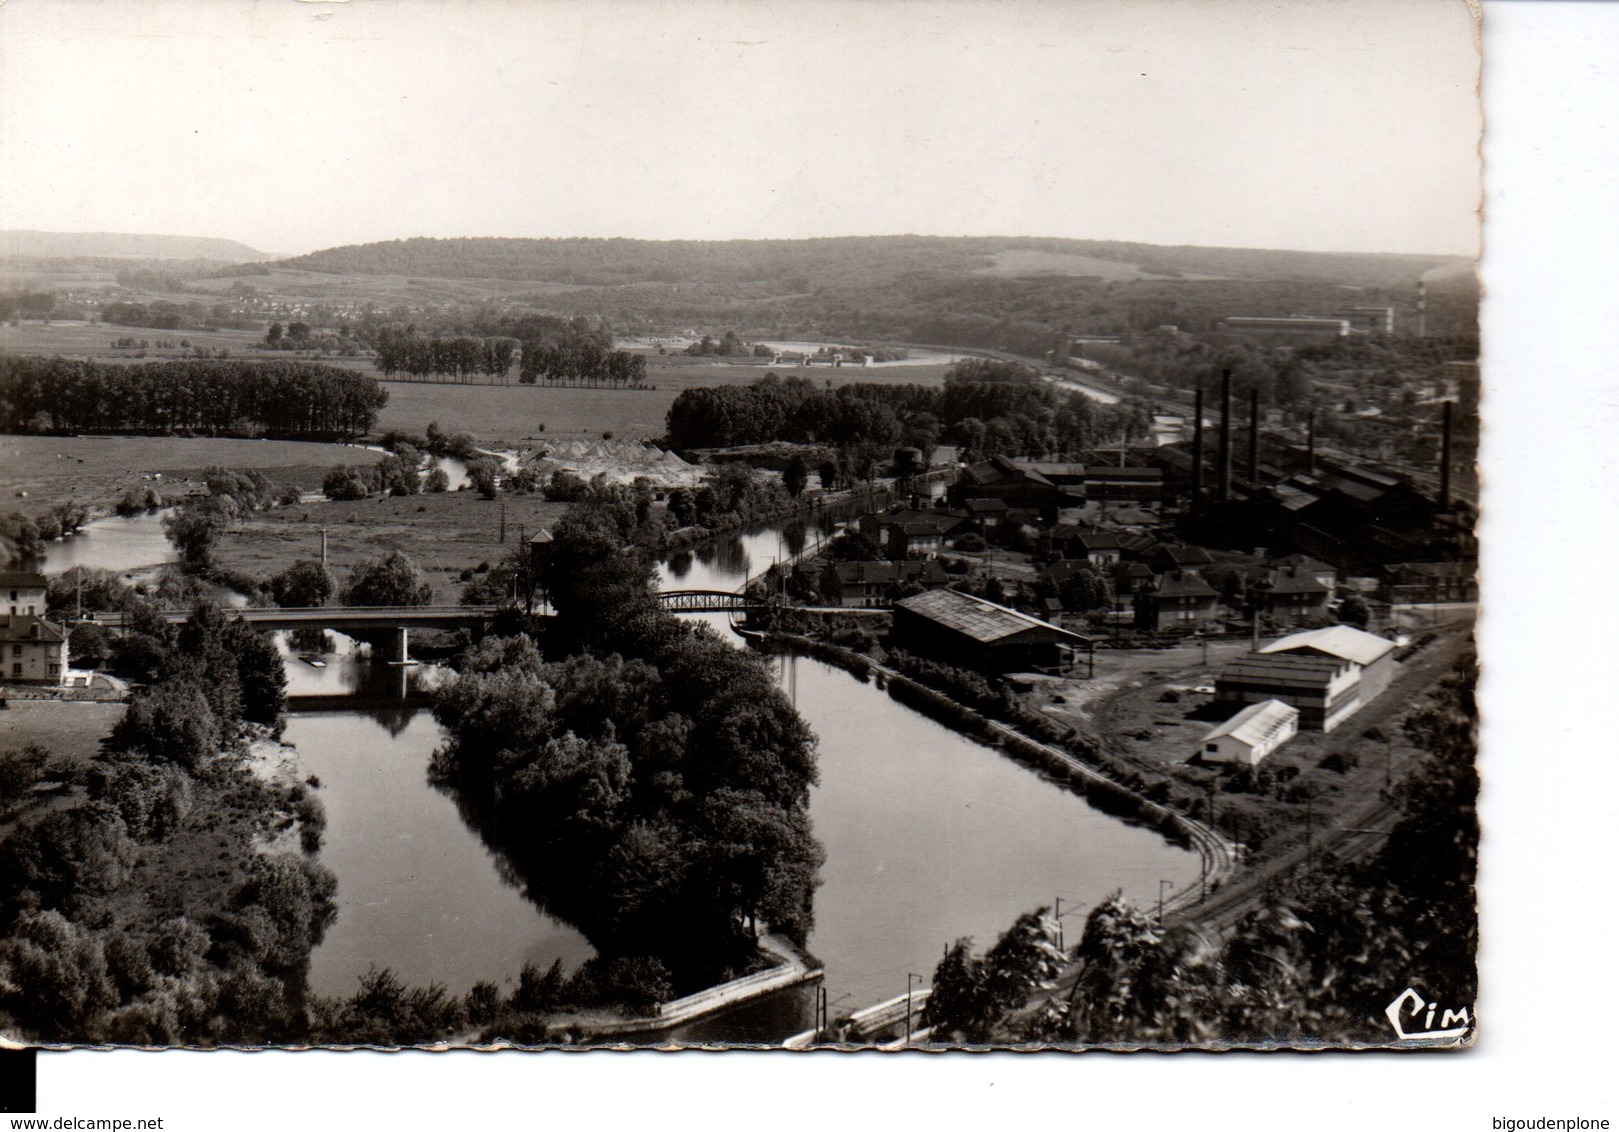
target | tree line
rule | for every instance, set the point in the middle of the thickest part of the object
(990, 407)
(302, 400)
(404, 350)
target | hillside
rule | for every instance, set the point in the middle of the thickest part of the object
(64, 245)
(794, 266)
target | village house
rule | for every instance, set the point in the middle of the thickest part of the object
(34, 650)
(871, 585)
(1177, 599)
(1289, 593)
(912, 532)
(24, 591)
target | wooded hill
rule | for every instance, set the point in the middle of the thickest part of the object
(795, 266)
(1018, 294)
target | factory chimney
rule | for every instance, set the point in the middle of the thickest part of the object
(1422, 309)
(1309, 445)
(1223, 484)
(1444, 461)
(1197, 448)
(1253, 436)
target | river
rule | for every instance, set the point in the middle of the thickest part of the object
(929, 837)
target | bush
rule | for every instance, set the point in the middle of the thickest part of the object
(345, 482)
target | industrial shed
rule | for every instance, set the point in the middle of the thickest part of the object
(1372, 656)
(1324, 689)
(1250, 735)
(969, 632)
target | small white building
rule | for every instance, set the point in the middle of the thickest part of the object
(1253, 733)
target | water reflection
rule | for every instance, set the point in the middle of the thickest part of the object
(678, 564)
(417, 890)
(120, 544)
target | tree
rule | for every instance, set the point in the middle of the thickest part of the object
(344, 483)
(306, 583)
(392, 580)
(172, 722)
(193, 530)
(272, 336)
(795, 476)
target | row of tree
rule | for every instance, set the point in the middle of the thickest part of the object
(219, 397)
(404, 350)
(988, 406)
(581, 362)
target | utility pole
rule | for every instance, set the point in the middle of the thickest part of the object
(502, 522)
(908, 977)
(323, 548)
(1309, 831)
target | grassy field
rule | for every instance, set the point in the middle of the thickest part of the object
(67, 728)
(444, 534)
(83, 339)
(95, 471)
(510, 416)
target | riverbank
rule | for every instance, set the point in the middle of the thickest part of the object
(1217, 854)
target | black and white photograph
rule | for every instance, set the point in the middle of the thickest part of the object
(916, 526)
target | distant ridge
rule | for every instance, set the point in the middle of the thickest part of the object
(822, 262)
(58, 245)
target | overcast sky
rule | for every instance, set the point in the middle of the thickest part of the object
(1322, 124)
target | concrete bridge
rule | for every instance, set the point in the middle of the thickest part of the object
(400, 620)
(397, 621)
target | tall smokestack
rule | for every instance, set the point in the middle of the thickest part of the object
(1223, 484)
(1197, 448)
(1422, 309)
(1253, 436)
(1444, 461)
(1309, 446)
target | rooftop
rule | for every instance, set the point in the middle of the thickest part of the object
(22, 579)
(979, 619)
(1342, 641)
(22, 627)
(1256, 724)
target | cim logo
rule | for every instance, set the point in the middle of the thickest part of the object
(1416, 1020)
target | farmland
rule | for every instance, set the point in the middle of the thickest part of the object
(507, 416)
(96, 470)
(444, 533)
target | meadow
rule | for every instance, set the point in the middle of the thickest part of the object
(83, 339)
(36, 471)
(444, 534)
(511, 416)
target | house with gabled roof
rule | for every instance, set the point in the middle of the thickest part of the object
(1177, 599)
(32, 650)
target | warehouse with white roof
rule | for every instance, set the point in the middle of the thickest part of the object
(1254, 732)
